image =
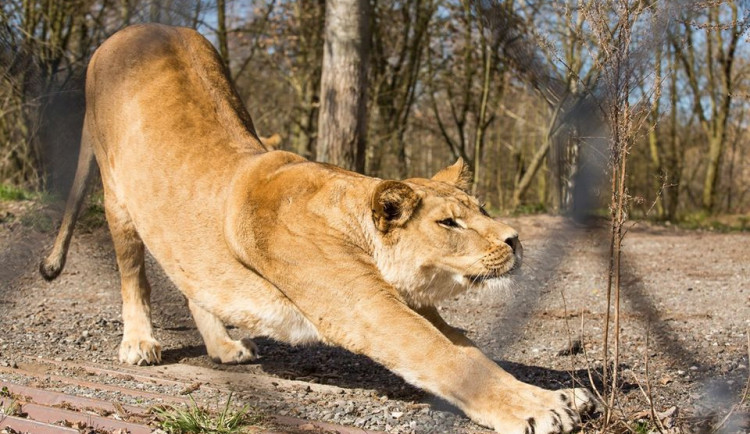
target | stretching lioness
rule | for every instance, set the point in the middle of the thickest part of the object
(283, 247)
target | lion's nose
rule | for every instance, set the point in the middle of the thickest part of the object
(514, 244)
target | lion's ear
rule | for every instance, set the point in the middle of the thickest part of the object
(271, 142)
(457, 174)
(393, 203)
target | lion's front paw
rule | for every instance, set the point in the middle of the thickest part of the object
(143, 351)
(580, 401)
(560, 411)
(532, 410)
(233, 352)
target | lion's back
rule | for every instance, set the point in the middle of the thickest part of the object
(166, 82)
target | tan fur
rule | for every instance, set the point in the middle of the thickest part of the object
(284, 247)
(271, 142)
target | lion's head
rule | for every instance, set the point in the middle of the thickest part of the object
(436, 240)
(428, 238)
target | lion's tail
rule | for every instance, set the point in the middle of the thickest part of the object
(52, 265)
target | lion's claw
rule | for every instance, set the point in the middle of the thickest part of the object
(233, 352)
(145, 351)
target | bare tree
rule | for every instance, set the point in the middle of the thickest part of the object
(342, 121)
(400, 34)
(44, 45)
(559, 79)
(712, 81)
(654, 140)
(674, 162)
(463, 84)
(221, 30)
(498, 82)
(282, 45)
(44, 49)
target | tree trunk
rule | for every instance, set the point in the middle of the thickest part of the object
(718, 87)
(154, 11)
(715, 151)
(221, 31)
(674, 168)
(528, 176)
(553, 162)
(342, 122)
(482, 124)
(654, 144)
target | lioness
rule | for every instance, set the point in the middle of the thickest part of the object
(284, 247)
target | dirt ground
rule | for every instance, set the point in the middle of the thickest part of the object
(685, 322)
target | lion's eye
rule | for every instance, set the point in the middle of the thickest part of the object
(449, 223)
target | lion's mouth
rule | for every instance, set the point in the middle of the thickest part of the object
(495, 273)
(479, 278)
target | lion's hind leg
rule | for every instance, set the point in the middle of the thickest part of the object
(219, 345)
(138, 344)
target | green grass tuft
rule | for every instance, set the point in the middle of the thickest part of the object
(11, 407)
(718, 223)
(13, 193)
(641, 427)
(196, 419)
(530, 209)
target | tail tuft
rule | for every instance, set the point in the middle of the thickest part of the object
(50, 270)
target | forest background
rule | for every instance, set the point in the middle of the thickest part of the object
(513, 87)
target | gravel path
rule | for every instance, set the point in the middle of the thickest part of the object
(686, 311)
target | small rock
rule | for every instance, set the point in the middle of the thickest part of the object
(666, 417)
(572, 348)
(190, 389)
